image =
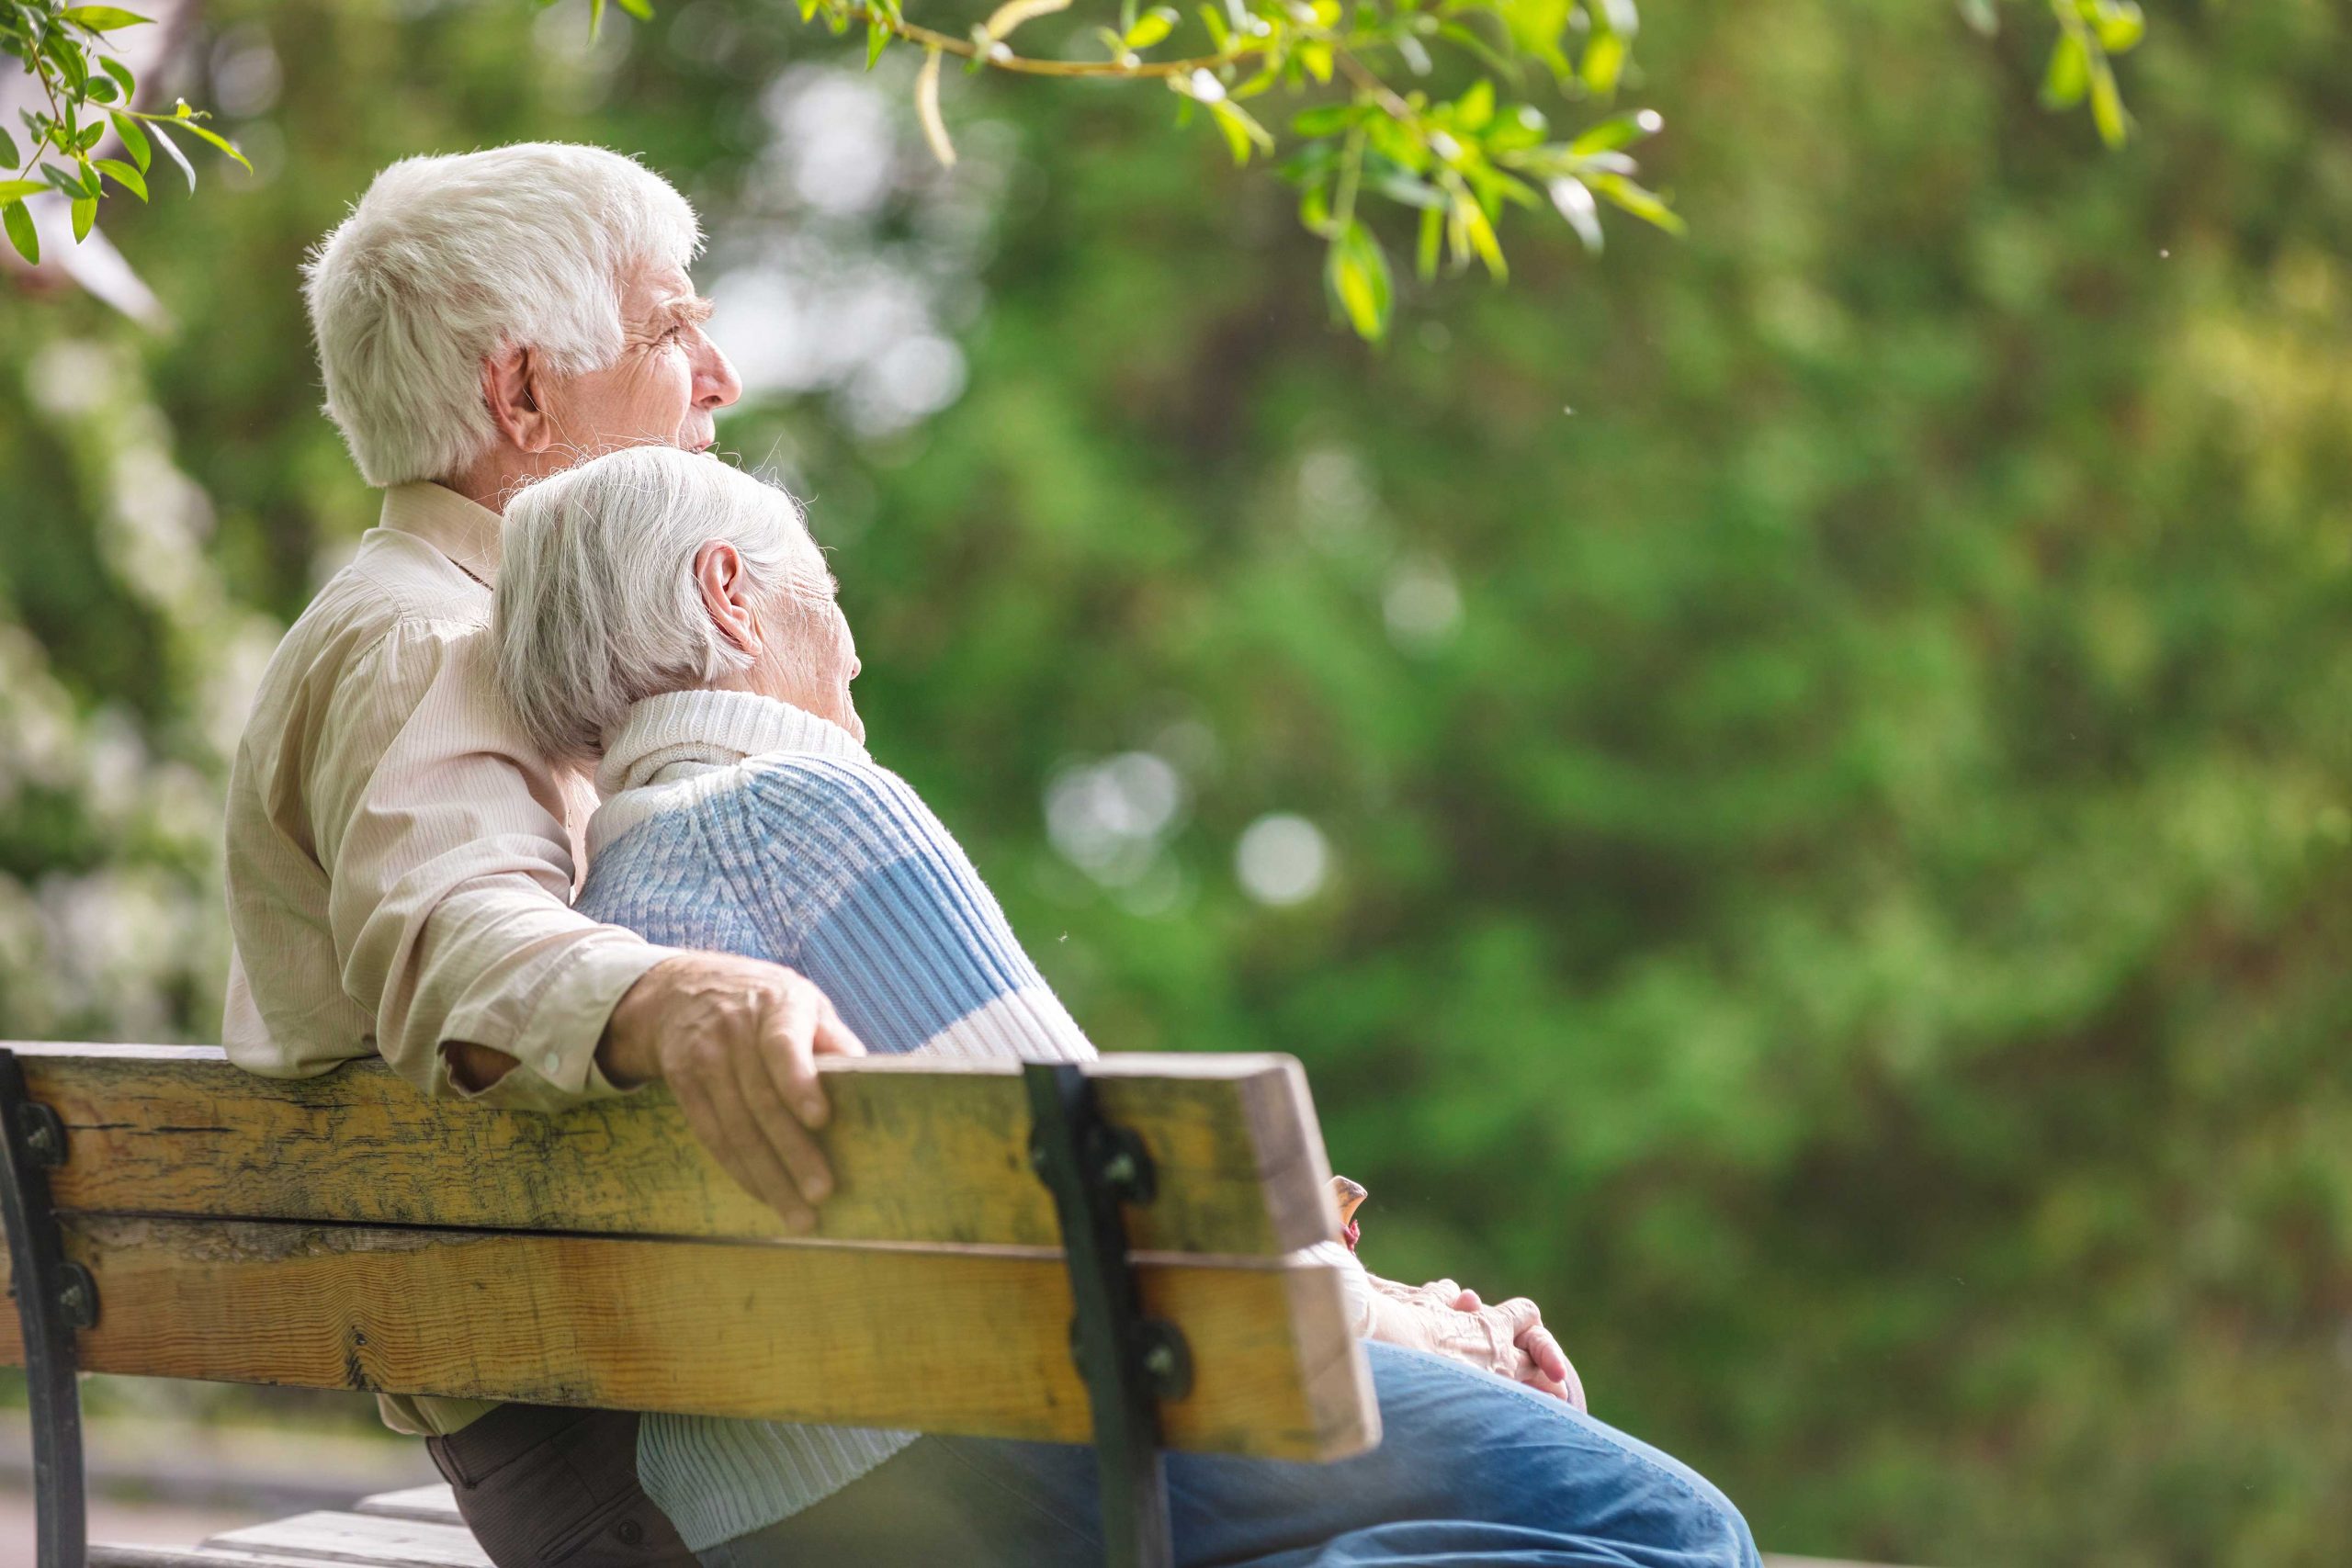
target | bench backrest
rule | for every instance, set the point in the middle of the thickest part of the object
(344, 1232)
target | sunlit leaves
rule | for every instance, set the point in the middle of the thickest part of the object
(21, 233)
(1356, 272)
(123, 174)
(100, 18)
(84, 93)
(2090, 33)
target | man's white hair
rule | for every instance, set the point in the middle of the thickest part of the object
(598, 606)
(446, 261)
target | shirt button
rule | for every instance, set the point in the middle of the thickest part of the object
(551, 1062)
(630, 1532)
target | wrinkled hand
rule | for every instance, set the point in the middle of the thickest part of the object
(1537, 1361)
(736, 1039)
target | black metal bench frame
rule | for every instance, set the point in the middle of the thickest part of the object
(1091, 1165)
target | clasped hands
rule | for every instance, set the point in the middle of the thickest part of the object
(1507, 1339)
(1440, 1317)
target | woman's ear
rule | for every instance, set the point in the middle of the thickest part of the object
(727, 594)
(511, 388)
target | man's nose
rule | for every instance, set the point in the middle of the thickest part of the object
(716, 383)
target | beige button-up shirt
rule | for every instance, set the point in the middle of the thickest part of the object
(400, 860)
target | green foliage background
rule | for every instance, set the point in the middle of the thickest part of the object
(1851, 913)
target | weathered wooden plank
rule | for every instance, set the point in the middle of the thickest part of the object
(326, 1537)
(970, 1339)
(926, 1151)
(103, 1555)
(434, 1505)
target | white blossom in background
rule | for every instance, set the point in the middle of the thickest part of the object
(1111, 818)
(1282, 859)
(853, 258)
(1422, 604)
(134, 947)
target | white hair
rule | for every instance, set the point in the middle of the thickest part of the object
(445, 262)
(598, 606)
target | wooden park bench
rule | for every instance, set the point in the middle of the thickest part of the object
(1101, 1253)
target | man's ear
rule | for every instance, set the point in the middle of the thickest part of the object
(727, 593)
(511, 388)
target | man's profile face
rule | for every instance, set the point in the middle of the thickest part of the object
(667, 384)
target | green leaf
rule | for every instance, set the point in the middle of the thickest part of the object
(126, 176)
(100, 18)
(1624, 194)
(8, 152)
(172, 151)
(68, 181)
(1480, 232)
(1433, 229)
(1241, 130)
(877, 39)
(134, 141)
(2069, 74)
(595, 20)
(86, 213)
(1151, 27)
(641, 9)
(17, 190)
(2107, 106)
(1474, 108)
(1618, 131)
(1356, 271)
(1605, 62)
(101, 90)
(2120, 24)
(121, 74)
(220, 142)
(21, 233)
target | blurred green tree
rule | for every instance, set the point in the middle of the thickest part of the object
(1789, 786)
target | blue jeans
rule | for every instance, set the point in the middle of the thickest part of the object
(1474, 1471)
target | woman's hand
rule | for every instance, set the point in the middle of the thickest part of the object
(1508, 1339)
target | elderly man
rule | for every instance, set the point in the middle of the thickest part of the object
(401, 858)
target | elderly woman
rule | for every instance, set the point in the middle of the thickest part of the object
(671, 618)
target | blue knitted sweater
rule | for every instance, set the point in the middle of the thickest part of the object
(736, 823)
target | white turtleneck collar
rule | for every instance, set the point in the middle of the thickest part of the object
(680, 734)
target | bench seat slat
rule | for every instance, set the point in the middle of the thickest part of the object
(923, 1151)
(320, 1538)
(435, 1504)
(970, 1340)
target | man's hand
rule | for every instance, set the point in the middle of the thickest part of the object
(736, 1039)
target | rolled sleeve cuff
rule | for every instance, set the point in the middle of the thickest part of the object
(555, 1051)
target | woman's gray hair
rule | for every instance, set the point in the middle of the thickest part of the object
(597, 604)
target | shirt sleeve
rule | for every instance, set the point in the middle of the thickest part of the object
(1355, 1282)
(862, 889)
(450, 876)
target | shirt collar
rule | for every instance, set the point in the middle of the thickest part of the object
(712, 729)
(464, 531)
